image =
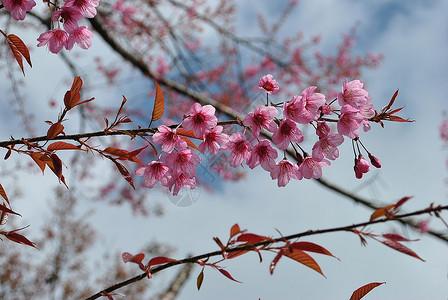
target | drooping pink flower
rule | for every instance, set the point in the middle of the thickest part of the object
(349, 121)
(263, 154)
(312, 103)
(268, 84)
(184, 161)
(361, 167)
(200, 119)
(312, 168)
(18, 8)
(213, 139)
(287, 132)
(153, 173)
(328, 147)
(56, 39)
(322, 129)
(86, 7)
(239, 148)
(262, 116)
(293, 108)
(70, 17)
(169, 139)
(180, 181)
(283, 171)
(352, 93)
(81, 36)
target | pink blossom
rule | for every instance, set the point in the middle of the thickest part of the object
(423, 226)
(312, 102)
(322, 129)
(293, 108)
(352, 93)
(181, 181)
(70, 17)
(262, 116)
(312, 167)
(56, 39)
(349, 121)
(169, 139)
(85, 7)
(327, 147)
(81, 36)
(239, 148)
(287, 132)
(200, 119)
(283, 171)
(361, 167)
(184, 161)
(18, 8)
(268, 84)
(263, 154)
(162, 66)
(153, 173)
(213, 139)
(366, 110)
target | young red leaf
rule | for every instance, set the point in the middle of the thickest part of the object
(220, 244)
(7, 210)
(18, 238)
(381, 212)
(397, 237)
(3, 194)
(71, 98)
(305, 259)
(124, 172)
(137, 259)
(18, 49)
(253, 238)
(364, 290)
(54, 130)
(159, 260)
(57, 166)
(402, 248)
(188, 133)
(275, 261)
(310, 247)
(77, 84)
(159, 104)
(200, 279)
(37, 158)
(391, 102)
(234, 254)
(227, 274)
(402, 201)
(63, 146)
(234, 230)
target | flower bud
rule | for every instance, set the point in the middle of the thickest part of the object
(375, 161)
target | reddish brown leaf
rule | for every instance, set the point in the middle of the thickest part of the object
(63, 146)
(71, 99)
(227, 274)
(234, 230)
(234, 254)
(3, 194)
(18, 49)
(402, 201)
(310, 247)
(200, 279)
(188, 133)
(305, 259)
(253, 238)
(128, 257)
(77, 84)
(57, 166)
(391, 102)
(3, 218)
(220, 244)
(397, 237)
(159, 105)
(54, 130)
(85, 101)
(160, 260)
(189, 142)
(18, 238)
(381, 212)
(7, 210)
(124, 172)
(399, 119)
(275, 261)
(364, 290)
(124, 154)
(400, 247)
(37, 157)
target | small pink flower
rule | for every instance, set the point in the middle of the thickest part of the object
(312, 168)
(85, 7)
(213, 139)
(423, 226)
(200, 119)
(366, 110)
(361, 167)
(283, 171)
(18, 8)
(239, 148)
(322, 130)
(263, 154)
(262, 116)
(352, 93)
(287, 132)
(56, 39)
(153, 173)
(268, 84)
(293, 108)
(349, 121)
(169, 139)
(81, 36)
(184, 161)
(328, 147)
(312, 103)
(181, 181)
(70, 17)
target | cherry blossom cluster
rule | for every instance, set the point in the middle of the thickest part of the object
(69, 15)
(176, 166)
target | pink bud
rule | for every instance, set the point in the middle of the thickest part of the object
(375, 161)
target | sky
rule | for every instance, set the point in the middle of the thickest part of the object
(413, 36)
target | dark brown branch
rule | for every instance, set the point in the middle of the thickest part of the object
(248, 247)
